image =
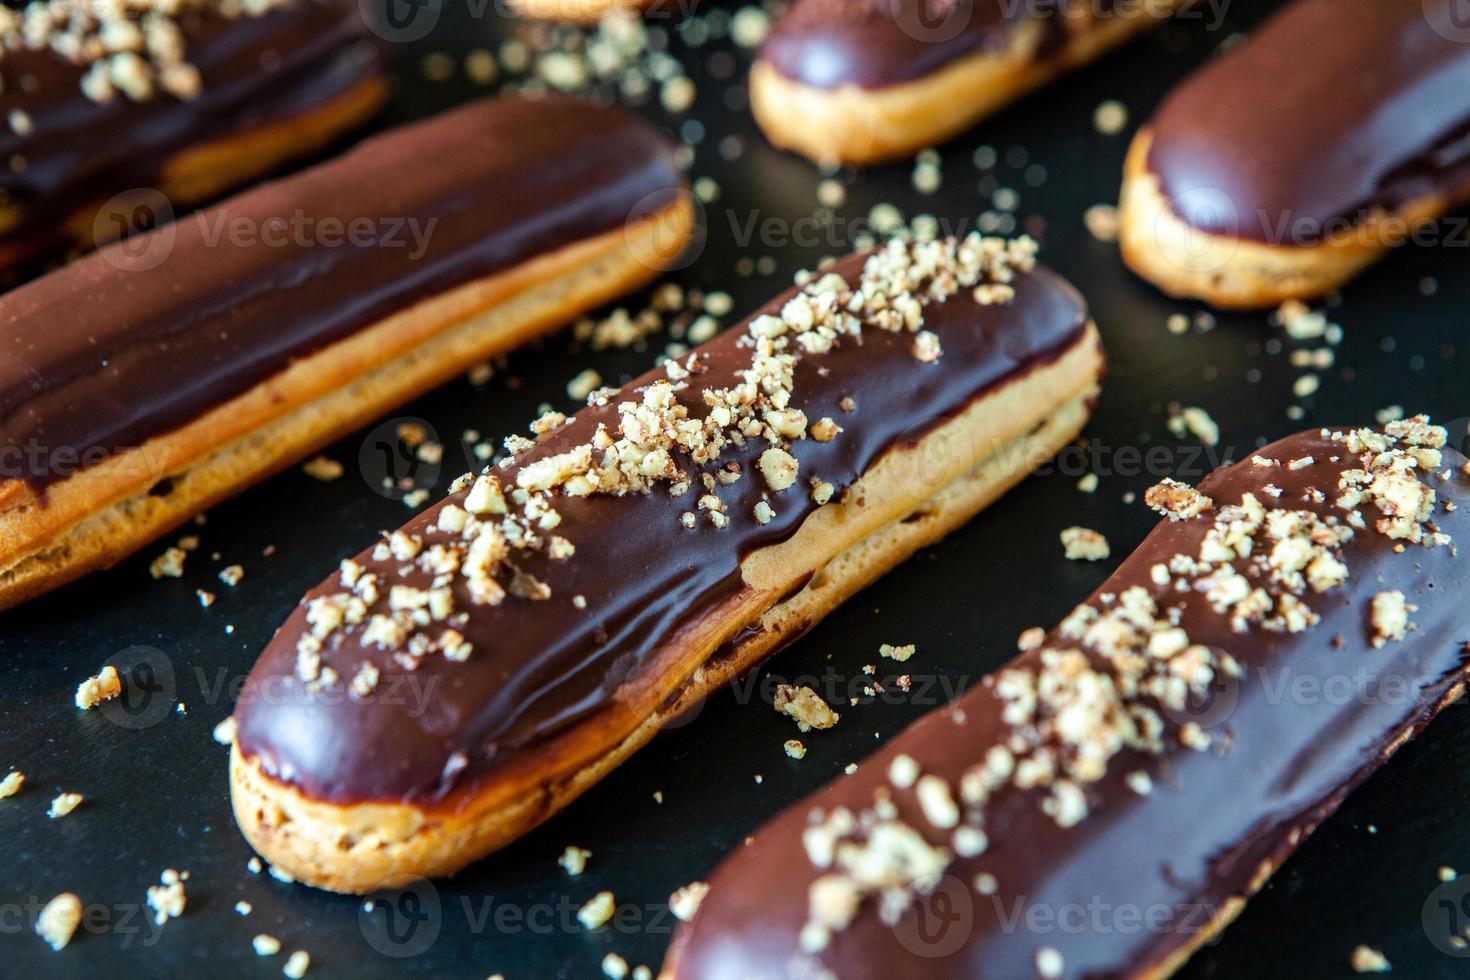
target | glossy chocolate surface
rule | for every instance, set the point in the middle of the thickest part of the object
(1140, 876)
(872, 44)
(1329, 110)
(119, 347)
(254, 71)
(539, 666)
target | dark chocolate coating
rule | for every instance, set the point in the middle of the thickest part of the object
(1331, 109)
(874, 43)
(112, 350)
(1306, 723)
(254, 71)
(537, 667)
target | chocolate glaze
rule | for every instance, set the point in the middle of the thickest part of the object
(108, 352)
(1285, 136)
(254, 71)
(1187, 848)
(539, 666)
(826, 44)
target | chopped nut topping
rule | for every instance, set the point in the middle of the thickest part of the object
(795, 749)
(686, 901)
(167, 898)
(94, 690)
(11, 784)
(1084, 544)
(598, 910)
(1390, 617)
(170, 564)
(297, 964)
(901, 654)
(132, 47)
(323, 469)
(1176, 501)
(64, 804)
(1116, 671)
(1365, 959)
(1193, 421)
(58, 921)
(265, 945)
(574, 860)
(805, 706)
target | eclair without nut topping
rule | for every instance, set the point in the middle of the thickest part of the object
(144, 382)
(1105, 803)
(183, 99)
(857, 81)
(473, 672)
(1283, 167)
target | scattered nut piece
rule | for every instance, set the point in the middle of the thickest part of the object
(805, 706)
(102, 687)
(686, 900)
(598, 910)
(323, 469)
(1084, 544)
(58, 921)
(1365, 959)
(901, 654)
(574, 860)
(64, 804)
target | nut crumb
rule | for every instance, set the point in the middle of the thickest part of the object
(901, 654)
(58, 921)
(1084, 544)
(322, 468)
(686, 900)
(805, 706)
(167, 899)
(795, 749)
(1366, 959)
(64, 804)
(1102, 222)
(297, 964)
(598, 910)
(574, 860)
(102, 687)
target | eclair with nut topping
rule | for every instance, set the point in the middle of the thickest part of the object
(165, 101)
(1287, 165)
(859, 81)
(1106, 803)
(472, 673)
(143, 383)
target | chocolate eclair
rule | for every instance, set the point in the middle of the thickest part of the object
(1286, 165)
(1108, 801)
(473, 672)
(593, 11)
(144, 382)
(179, 99)
(857, 81)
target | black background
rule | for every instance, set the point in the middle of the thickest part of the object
(156, 785)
